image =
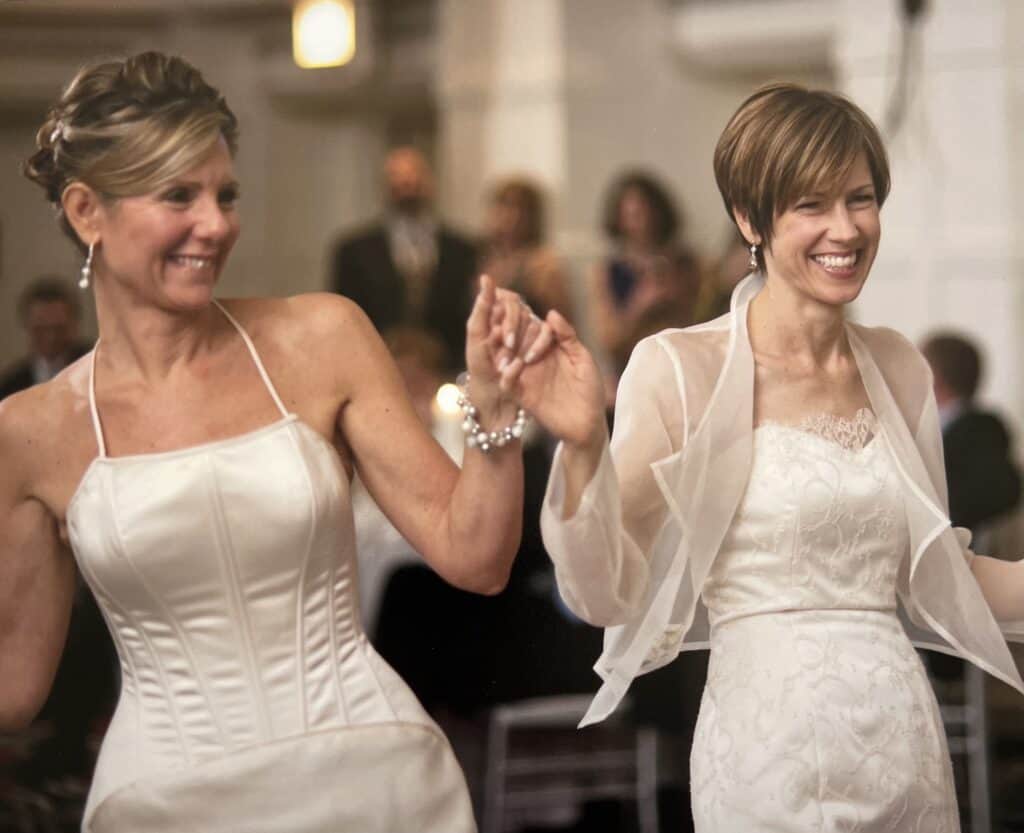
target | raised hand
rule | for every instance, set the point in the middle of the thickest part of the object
(559, 383)
(494, 335)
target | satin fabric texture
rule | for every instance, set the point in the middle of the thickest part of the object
(251, 697)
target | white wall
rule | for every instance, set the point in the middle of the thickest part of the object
(951, 230)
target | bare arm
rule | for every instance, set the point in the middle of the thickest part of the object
(467, 524)
(37, 581)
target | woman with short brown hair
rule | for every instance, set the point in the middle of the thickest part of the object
(515, 253)
(774, 490)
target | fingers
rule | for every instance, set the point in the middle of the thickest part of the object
(560, 327)
(510, 375)
(478, 325)
(513, 320)
(539, 339)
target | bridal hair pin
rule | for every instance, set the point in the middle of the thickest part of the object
(58, 132)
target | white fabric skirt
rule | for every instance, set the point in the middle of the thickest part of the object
(819, 720)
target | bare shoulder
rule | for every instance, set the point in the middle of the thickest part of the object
(43, 427)
(320, 341)
(309, 320)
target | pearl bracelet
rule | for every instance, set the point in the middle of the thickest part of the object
(477, 437)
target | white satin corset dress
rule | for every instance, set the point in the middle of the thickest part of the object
(817, 715)
(251, 698)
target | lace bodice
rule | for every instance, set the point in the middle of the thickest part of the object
(820, 525)
(850, 433)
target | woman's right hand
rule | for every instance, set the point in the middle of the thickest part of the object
(560, 384)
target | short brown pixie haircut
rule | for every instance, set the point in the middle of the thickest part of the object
(786, 141)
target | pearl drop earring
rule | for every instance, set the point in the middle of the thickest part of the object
(752, 264)
(83, 282)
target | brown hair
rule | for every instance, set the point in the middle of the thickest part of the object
(956, 361)
(530, 199)
(48, 289)
(786, 141)
(126, 127)
(664, 214)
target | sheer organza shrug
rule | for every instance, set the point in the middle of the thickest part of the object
(635, 554)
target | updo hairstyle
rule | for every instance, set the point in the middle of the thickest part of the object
(127, 127)
(785, 142)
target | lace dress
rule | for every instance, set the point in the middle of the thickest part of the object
(817, 715)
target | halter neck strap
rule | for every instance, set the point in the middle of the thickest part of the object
(94, 410)
(255, 358)
(96, 424)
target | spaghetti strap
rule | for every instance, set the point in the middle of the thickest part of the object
(255, 357)
(93, 410)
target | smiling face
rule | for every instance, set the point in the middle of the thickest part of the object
(823, 245)
(170, 246)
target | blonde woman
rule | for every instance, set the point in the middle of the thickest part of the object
(774, 487)
(196, 466)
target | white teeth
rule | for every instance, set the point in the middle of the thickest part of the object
(194, 262)
(836, 261)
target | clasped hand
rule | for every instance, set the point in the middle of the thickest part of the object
(515, 356)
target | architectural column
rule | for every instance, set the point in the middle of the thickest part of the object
(501, 99)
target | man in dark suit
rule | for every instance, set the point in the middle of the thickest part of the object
(983, 479)
(49, 312)
(408, 268)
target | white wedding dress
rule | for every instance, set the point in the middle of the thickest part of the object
(817, 715)
(252, 701)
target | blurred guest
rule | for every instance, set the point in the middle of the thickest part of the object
(733, 264)
(648, 267)
(514, 252)
(408, 267)
(49, 312)
(984, 481)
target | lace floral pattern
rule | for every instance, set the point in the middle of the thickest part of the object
(850, 433)
(817, 715)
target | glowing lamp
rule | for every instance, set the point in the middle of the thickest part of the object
(323, 33)
(448, 400)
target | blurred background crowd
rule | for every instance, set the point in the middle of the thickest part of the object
(564, 148)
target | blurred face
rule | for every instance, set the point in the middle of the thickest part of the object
(52, 328)
(824, 244)
(635, 216)
(170, 246)
(507, 220)
(408, 181)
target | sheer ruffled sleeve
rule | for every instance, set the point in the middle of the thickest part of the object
(946, 606)
(600, 553)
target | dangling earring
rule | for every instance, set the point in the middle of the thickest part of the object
(83, 282)
(752, 263)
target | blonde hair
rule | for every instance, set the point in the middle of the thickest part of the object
(786, 141)
(126, 127)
